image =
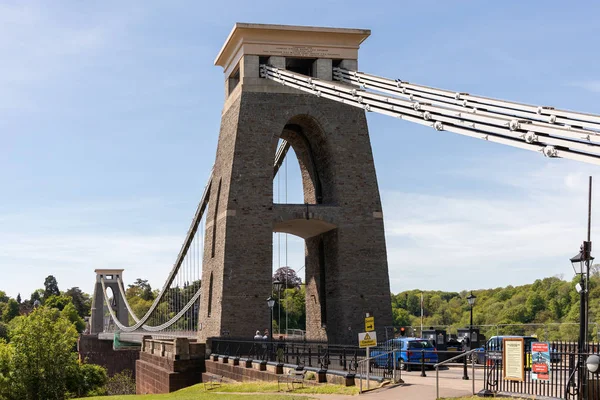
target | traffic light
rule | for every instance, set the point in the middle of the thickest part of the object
(402, 331)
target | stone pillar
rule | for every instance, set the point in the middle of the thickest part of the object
(351, 65)
(249, 67)
(322, 69)
(277, 61)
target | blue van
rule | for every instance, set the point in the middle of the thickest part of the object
(409, 354)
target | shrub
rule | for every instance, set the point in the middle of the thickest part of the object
(121, 383)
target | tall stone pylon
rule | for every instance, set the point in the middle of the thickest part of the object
(113, 278)
(341, 220)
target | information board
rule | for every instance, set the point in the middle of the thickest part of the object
(513, 356)
(540, 361)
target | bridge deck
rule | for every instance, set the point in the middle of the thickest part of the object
(137, 337)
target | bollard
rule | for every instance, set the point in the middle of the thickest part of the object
(423, 363)
(465, 376)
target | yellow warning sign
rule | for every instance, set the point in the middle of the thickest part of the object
(370, 324)
(367, 339)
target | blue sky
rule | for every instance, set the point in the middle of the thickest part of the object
(110, 112)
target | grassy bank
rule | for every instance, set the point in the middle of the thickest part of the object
(242, 391)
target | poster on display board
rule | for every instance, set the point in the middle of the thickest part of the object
(540, 361)
(513, 356)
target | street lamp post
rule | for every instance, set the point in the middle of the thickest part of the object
(581, 265)
(471, 300)
(271, 303)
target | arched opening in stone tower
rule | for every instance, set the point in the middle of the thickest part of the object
(300, 229)
(110, 295)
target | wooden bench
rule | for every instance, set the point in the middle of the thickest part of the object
(293, 377)
(213, 382)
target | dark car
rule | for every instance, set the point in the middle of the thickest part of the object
(409, 354)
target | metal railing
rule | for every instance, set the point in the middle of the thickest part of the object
(465, 355)
(567, 366)
(390, 360)
(311, 354)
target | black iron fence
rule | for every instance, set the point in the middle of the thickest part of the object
(312, 354)
(568, 377)
(325, 356)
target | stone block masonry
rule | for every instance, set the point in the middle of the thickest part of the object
(94, 351)
(169, 365)
(341, 219)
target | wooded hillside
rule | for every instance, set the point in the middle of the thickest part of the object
(549, 307)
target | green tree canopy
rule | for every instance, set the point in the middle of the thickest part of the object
(59, 302)
(50, 287)
(81, 301)
(11, 310)
(43, 342)
(70, 313)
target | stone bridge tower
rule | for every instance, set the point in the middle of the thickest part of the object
(341, 220)
(111, 280)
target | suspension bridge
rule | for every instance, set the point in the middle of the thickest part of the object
(299, 87)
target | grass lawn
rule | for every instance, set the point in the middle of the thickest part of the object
(254, 390)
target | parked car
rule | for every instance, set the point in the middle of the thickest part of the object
(408, 355)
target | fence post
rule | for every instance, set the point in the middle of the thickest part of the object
(465, 375)
(394, 365)
(473, 372)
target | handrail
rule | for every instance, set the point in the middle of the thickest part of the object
(369, 358)
(437, 370)
(455, 357)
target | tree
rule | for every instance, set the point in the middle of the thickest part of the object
(59, 302)
(81, 301)
(140, 288)
(3, 333)
(6, 361)
(45, 342)
(70, 313)
(11, 310)
(401, 317)
(121, 383)
(288, 276)
(87, 380)
(19, 298)
(50, 287)
(38, 295)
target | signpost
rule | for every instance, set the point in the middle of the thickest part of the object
(366, 340)
(369, 324)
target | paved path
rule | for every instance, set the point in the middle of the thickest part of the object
(421, 388)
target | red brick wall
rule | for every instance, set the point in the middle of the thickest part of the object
(155, 374)
(95, 351)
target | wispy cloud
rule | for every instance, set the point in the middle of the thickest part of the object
(590, 86)
(70, 241)
(471, 239)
